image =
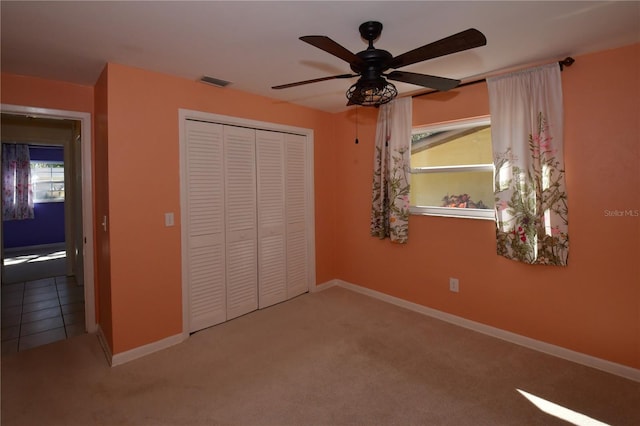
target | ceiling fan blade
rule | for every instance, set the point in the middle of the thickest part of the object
(430, 81)
(315, 80)
(330, 46)
(464, 40)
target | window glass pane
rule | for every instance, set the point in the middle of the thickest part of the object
(453, 189)
(47, 180)
(453, 147)
(452, 169)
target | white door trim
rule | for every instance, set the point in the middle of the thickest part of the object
(186, 114)
(87, 195)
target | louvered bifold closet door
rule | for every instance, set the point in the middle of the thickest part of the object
(205, 225)
(241, 221)
(272, 276)
(295, 201)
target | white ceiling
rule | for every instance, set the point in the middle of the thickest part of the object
(255, 44)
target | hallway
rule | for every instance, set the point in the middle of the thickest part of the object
(38, 307)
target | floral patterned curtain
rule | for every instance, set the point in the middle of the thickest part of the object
(17, 195)
(390, 198)
(527, 136)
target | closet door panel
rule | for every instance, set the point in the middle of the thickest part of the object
(296, 220)
(205, 225)
(272, 280)
(241, 221)
(242, 282)
(206, 270)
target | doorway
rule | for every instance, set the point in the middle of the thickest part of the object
(70, 264)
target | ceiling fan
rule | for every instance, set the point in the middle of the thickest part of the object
(372, 88)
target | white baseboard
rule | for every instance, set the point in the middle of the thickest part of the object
(558, 351)
(325, 286)
(140, 351)
(103, 342)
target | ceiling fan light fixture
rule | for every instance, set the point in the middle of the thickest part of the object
(371, 94)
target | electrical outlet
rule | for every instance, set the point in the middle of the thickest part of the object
(454, 285)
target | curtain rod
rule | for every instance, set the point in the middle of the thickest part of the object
(566, 62)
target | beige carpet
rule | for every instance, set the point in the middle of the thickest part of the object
(330, 358)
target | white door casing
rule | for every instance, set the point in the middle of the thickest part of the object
(87, 196)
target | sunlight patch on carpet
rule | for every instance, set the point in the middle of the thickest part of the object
(30, 258)
(561, 412)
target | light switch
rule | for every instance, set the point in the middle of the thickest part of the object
(168, 219)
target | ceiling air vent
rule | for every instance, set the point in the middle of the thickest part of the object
(214, 81)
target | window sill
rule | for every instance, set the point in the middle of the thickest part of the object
(51, 200)
(482, 214)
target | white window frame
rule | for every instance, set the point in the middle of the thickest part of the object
(466, 213)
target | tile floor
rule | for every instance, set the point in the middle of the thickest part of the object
(42, 311)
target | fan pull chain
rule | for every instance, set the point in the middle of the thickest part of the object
(357, 125)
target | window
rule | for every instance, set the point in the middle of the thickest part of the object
(47, 181)
(452, 170)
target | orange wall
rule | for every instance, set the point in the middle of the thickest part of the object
(593, 305)
(144, 183)
(37, 92)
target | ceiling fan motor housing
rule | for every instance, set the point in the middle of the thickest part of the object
(375, 62)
